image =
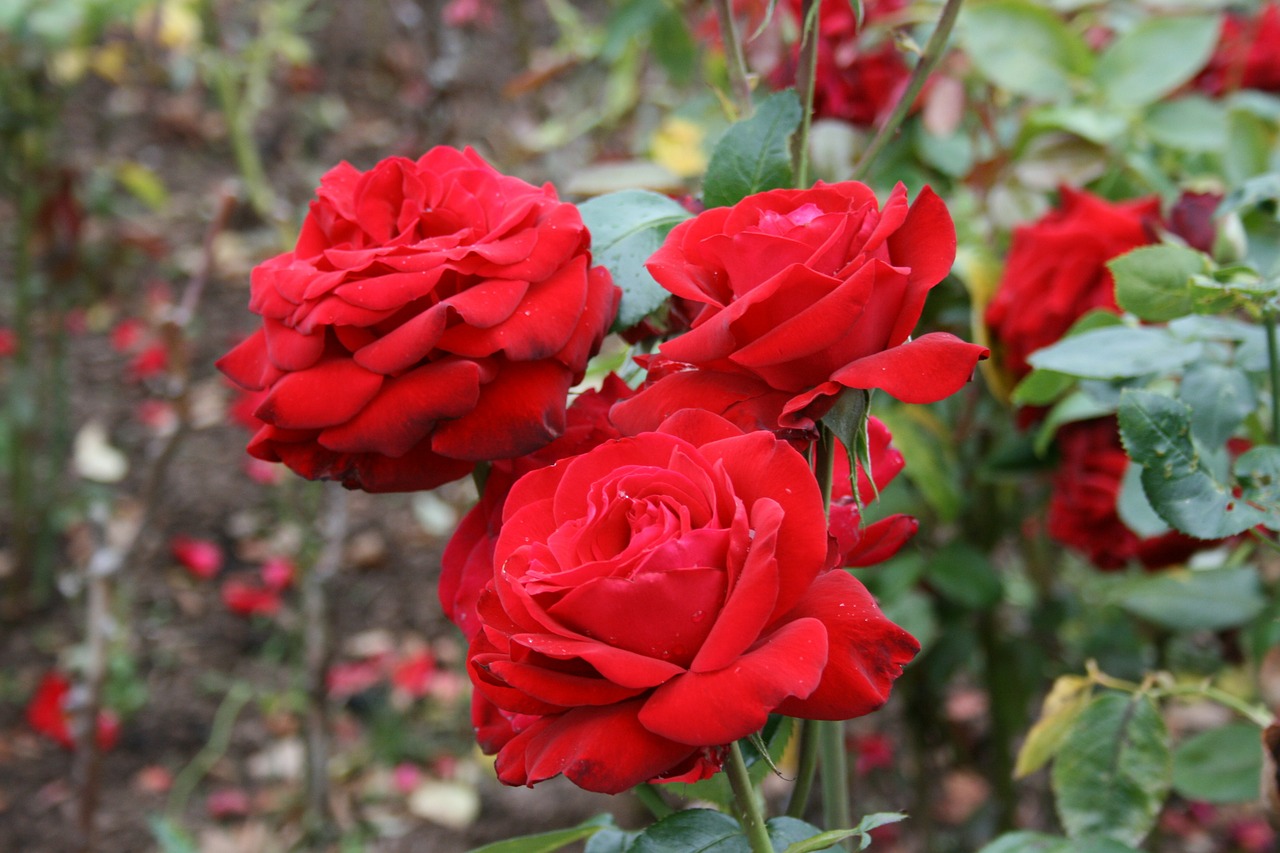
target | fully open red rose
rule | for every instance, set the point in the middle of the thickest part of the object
(658, 597)
(433, 314)
(1057, 270)
(804, 293)
(1082, 510)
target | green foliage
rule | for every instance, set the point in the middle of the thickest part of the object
(1154, 282)
(1210, 600)
(1118, 352)
(626, 228)
(963, 574)
(1154, 58)
(548, 842)
(1220, 765)
(1113, 770)
(754, 155)
(1025, 48)
(1038, 842)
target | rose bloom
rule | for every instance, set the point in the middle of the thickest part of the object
(857, 79)
(48, 713)
(1082, 509)
(433, 314)
(803, 293)
(867, 545)
(1247, 56)
(1057, 270)
(658, 597)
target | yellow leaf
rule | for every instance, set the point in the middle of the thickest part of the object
(1069, 696)
(677, 144)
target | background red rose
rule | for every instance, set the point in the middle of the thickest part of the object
(433, 314)
(1247, 56)
(658, 597)
(1082, 511)
(804, 293)
(1056, 270)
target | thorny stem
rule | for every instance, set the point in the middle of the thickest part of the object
(1157, 686)
(319, 649)
(739, 77)
(744, 796)
(806, 79)
(928, 61)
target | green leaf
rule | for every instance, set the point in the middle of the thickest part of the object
(1154, 58)
(546, 842)
(1117, 352)
(1042, 387)
(1084, 121)
(1192, 123)
(1065, 702)
(1183, 601)
(965, 575)
(1038, 842)
(1220, 398)
(611, 840)
(1133, 507)
(1024, 48)
(847, 420)
(754, 155)
(1077, 406)
(1258, 474)
(626, 228)
(932, 470)
(692, 831)
(812, 843)
(1221, 765)
(1112, 773)
(1156, 431)
(673, 46)
(1248, 150)
(171, 837)
(1154, 282)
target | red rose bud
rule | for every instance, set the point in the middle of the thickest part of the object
(861, 545)
(803, 293)
(433, 314)
(48, 713)
(658, 598)
(1057, 270)
(201, 557)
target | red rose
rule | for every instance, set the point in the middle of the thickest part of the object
(874, 543)
(1247, 56)
(804, 293)
(1082, 510)
(658, 597)
(857, 79)
(433, 314)
(1057, 270)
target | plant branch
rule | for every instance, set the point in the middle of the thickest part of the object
(808, 766)
(933, 51)
(806, 79)
(1273, 365)
(744, 796)
(739, 76)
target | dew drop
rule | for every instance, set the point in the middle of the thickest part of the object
(699, 615)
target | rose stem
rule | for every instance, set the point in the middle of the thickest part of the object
(806, 76)
(1273, 362)
(651, 799)
(928, 60)
(745, 796)
(830, 733)
(739, 76)
(808, 766)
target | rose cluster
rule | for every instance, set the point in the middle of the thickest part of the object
(649, 573)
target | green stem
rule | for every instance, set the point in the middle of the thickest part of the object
(652, 800)
(928, 61)
(805, 772)
(739, 76)
(830, 733)
(1273, 364)
(806, 77)
(1259, 716)
(219, 739)
(748, 808)
(1002, 694)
